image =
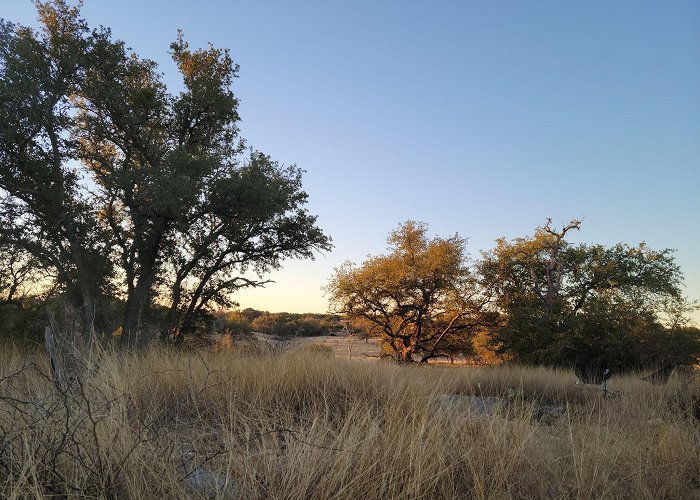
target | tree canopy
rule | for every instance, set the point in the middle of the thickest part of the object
(566, 304)
(421, 298)
(118, 187)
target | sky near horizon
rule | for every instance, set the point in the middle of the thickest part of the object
(478, 118)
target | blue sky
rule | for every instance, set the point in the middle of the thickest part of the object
(482, 118)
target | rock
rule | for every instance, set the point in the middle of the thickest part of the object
(479, 406)
(211, 483)
(487, 406)
(548, 414)
(655, 423)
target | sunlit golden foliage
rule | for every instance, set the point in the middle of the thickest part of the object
(421, 298)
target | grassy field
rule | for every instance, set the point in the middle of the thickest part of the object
(302, 424)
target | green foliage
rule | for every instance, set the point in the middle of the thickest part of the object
(295, 325)
(21, 296)
(44, 209)
(165, 205)
(278, 324)
(233, 322)
(567, 304)
(22, 326)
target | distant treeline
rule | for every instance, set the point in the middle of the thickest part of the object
(281, 324)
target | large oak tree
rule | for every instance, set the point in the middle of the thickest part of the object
(565, 304)
(122, 188)
(44, 209)
(421, 298)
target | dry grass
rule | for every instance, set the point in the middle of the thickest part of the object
(169, 424)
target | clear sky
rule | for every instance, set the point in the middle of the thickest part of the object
(482, 118)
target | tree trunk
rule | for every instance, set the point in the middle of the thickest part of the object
(89, 312)
(86, 285)
(139, 299)
(174, 316)
(135, 305)
(405, 353)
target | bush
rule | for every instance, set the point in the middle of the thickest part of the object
(22, 327)
(320, 349)
(295, 325)
(234, 323)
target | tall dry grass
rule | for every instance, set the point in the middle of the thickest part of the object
(301, 425)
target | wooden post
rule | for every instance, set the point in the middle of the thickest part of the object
(50, 342)
(60, 350)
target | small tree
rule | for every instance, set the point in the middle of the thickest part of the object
(18, 272)
(21, 294)
(421, 298)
